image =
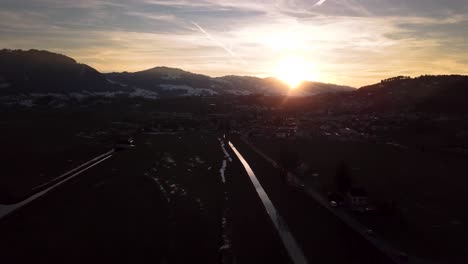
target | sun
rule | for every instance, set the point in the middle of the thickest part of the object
(294, 70)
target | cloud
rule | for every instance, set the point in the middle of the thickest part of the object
(319, 3)
(218, 43)
(344, 38)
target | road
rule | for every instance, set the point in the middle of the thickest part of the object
(43, 189)
(341, 213)
(181, 198)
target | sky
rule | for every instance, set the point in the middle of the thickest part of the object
(351, 42)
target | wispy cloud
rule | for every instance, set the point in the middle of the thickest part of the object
(218, 43)
(319, 3)
(344, 38)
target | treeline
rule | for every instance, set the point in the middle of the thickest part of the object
(398, 78)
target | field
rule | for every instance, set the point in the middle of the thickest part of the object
(428, 188)
(164, 200)
(38, 148)
(177, 197)
(39, 144)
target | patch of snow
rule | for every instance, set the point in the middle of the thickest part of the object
(194, 160)
(26, 103)
(168, 158)
(222, 170)
(188, 89)
(55, 95)
(239, 92)
(107, 94)
(144, 94)
(162, 189)
(226, 244)
(118, 83)
(199, 160)
(78, 96)
(226, 154)
(171, 76)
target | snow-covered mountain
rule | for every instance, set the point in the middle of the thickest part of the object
(176, 82)
(28, 75)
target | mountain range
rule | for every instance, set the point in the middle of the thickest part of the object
(41, 72)
(33, 73)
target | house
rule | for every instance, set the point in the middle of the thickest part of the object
(357, 199)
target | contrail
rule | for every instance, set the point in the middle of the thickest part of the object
(355, 6)
(217, 42)
(319, 3)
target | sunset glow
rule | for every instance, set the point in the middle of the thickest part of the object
(294, 70)
(352, 42)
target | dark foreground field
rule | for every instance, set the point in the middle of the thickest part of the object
(428, 187)
(161, 202)
(166, 201)
(37, 147)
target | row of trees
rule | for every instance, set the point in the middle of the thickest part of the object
(398, 78)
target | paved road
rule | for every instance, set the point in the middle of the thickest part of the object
(323, 237)
(391, 252)
(174, 199)
(13, 205)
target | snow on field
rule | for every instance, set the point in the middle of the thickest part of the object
(238, 92)
(224, 164)
(162, 189)
(144, 94)
(55, 95)
(175, 188)
(188, 89)
(26, 103)
(226, 241)
(223, 147)
(77, 96)
(105, 94)
(168, 187)
(193, 161)
(167, 158)
(198, 160)
(222, 170)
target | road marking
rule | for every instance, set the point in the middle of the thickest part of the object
(292, 247)
(8, 209)
(73, 170)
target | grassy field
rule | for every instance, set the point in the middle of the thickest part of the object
(40, 143)
(163, 201)
(36, 149)
(429, 188)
